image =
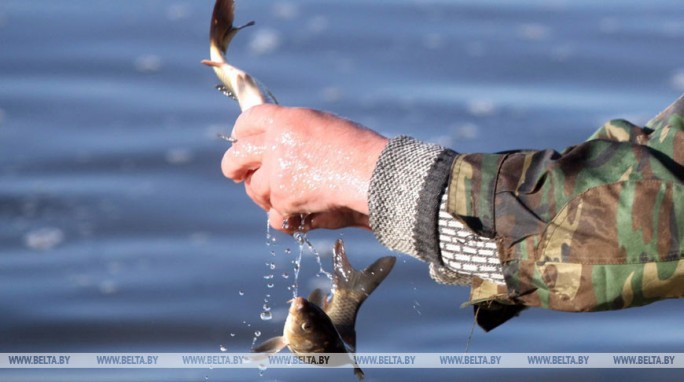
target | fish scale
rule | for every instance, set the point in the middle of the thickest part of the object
(351, 290)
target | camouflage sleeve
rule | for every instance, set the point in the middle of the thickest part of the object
(599, 226)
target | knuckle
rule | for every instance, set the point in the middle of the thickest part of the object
(226, 165)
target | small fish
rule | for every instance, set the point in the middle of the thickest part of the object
(327, 325)
(235, 82)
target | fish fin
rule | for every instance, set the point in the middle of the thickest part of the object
(211, 63)
(350, 343)
(377, 271)
(366, 280)
(248, 24)
(359, 373)
(350, 279)
(272, 345)
(318, 298)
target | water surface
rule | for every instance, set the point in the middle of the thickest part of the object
(118, 232)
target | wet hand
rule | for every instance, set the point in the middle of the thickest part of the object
(300, 161)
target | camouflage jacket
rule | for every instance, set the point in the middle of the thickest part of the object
(599, 226)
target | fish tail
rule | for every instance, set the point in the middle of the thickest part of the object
(351, 289)
(221, 27)
(222, 30)
(365, 281)
(359, 373)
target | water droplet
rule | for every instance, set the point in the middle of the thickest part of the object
(285, 275)
(223, 348)
(257, 333)
(287, 251)
(286, 223)
(232, 334)
(416, 307)
(272, 253)
(269, 285)
(300, 237)
(267, 307)
(241, 292)
(268, 277)
(265, 316)
(272, 266)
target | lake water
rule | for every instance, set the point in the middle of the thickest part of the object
(118, 232)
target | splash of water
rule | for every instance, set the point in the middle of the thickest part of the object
(300, 237)
(313, 250)
(257, 334)
(416, 303)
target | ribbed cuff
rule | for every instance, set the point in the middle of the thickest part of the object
(404, 196)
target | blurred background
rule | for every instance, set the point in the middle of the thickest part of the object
(118, 232)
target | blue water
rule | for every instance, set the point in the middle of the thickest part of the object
(118, 232)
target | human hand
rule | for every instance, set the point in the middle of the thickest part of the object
(300, 161)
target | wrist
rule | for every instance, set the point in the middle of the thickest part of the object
(354, 193)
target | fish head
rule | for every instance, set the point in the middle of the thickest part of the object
(308, 329)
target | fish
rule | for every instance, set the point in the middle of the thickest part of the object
(236, 83)
(327, 324)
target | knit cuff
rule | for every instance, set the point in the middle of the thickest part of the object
(404, 196)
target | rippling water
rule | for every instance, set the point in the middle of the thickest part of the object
(119, 234)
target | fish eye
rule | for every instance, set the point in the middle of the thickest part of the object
(306, 326)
